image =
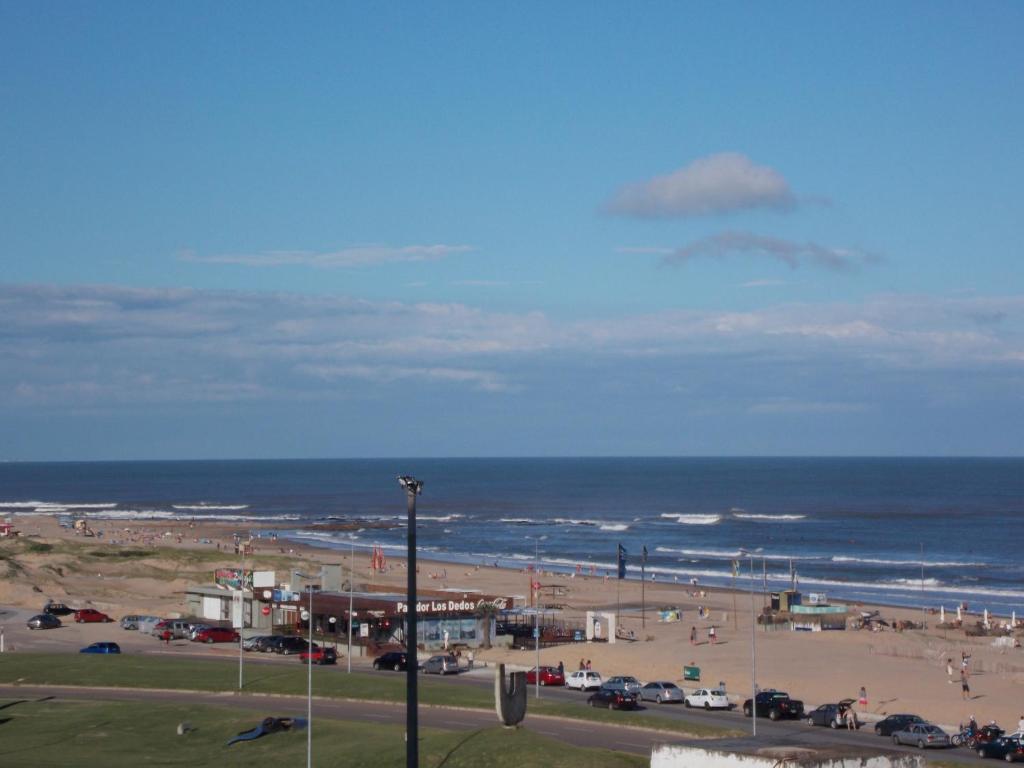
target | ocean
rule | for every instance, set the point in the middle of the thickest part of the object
(912, 532)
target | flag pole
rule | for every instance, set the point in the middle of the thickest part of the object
(643, 582)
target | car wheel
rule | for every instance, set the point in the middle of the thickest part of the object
(895, 739)
(398, 667)
(1008, 757)
(833, 724)
(209, 641)
(611, 705)
(687, 704)
(981, 752)
(658, 698)
(920, 744)
(707, 705)
(878, 731)
(746, 711)
(773, 715)
(810, 721)
(542, 682)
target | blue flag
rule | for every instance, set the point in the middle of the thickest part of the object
(622, 562)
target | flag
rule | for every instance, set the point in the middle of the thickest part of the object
(622, 562)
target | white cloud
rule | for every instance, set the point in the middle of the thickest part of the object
(789, 252)
(789, 406)
(717, 184)
(355, 256)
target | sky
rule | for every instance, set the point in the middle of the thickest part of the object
(258, 230)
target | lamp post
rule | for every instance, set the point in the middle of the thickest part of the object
(241, 619)
(413, 488)
(753, 642)
(536, 609)
(351, 579)
(309, 682)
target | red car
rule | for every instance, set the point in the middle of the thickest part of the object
(90, 615)
(216, 635)
(319, 655)
(548, 676)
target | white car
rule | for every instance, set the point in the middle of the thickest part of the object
(709, 698)
(583, 680)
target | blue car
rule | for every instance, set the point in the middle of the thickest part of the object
(102, 648)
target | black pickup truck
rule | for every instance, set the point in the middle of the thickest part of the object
(774, 705)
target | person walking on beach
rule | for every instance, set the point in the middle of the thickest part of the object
(588, 664)
(862, 699)
(583, 665)
(711, 634)
(693, 635)
(965, 688)
(561, 669)
(1020, 724)
(949, 671)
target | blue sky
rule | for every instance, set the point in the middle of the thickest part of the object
(248, 230)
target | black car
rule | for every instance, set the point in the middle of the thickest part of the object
(1008, 748)
(57, 609)
(774, 705)
(395, 660)
(286, 646)
(613, 698)
(831, 715)
(895, 723)
(265, 643)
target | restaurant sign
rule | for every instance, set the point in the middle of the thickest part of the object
(452, 606)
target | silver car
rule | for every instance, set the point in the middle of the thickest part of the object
(626, 683)
(441, 665)
(44, 621)
(921, 735)
(661, 691)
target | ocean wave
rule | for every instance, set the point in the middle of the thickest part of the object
(694, 519)
(768, 518)
(574, 521)
(48, 507)
(925, 563)
(522, 521)
(439, 518)
(734, 554)
(202, 506)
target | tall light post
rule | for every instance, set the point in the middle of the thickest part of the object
(413, 488)
(753, 641)
(241, 619)
(309, 683)
(536, 609)
(351, 580)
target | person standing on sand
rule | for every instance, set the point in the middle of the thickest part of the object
(693, 635)
(1020, 724)
(583, 665)
(965, 688)
(711, 634)
(949, 671)
(862, 699)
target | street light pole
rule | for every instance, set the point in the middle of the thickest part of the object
(753, 643)
(351, 579)
(241, 632)
(536, 614)
(413, 488)
(309, 679)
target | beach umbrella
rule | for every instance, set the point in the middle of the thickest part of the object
(942, 614)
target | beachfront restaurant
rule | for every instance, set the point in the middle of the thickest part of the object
(444, 618)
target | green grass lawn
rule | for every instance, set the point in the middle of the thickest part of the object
(128, 671)
(41, 734)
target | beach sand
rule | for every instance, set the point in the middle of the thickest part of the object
(902, 672)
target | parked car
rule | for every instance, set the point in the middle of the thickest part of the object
(266, 643)
(129, 622)
(178, 629)
(250, 643)
(441, 665)
(57, 609)
(290, 644)
(774, 705)
(623, 683)
(194, 629)
(831, 715)
(90, 616)
(583, 680)
(319, 656)
(102, 648)
(896, 723)
(43, 621)
(613, 698)
(922, 735)
(1009, 748)
(548, 676)
(709, 698)
(661, 691)
(216, 635)
(395, 660)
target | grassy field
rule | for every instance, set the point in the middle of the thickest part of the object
(214, 675)
(101, 734)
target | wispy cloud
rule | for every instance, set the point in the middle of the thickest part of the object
(766, 283)
(354, 256)
(789, 252)
(717, 184)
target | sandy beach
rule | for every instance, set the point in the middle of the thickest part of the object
(901, 671)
